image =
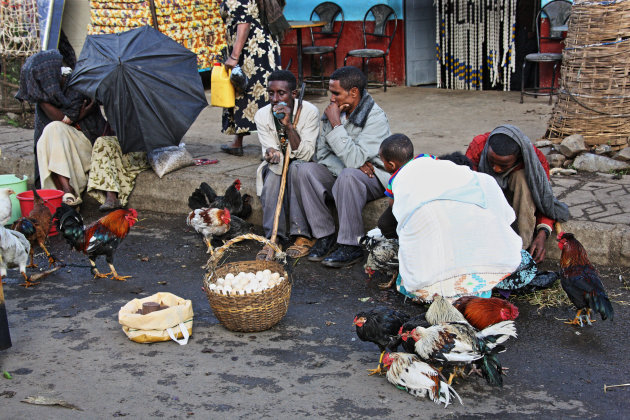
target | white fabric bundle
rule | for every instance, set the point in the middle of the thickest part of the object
(454, 229)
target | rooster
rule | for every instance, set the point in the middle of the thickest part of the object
(406, 371)
(483, 312)
(380, 326)
(35, 227)
(14, 251)
(206, 197)
(382, 256)
(580, 281)
(459, 344)
(441, 310)
(101, 237)
(209, 222)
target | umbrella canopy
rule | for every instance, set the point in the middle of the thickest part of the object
(148, 84)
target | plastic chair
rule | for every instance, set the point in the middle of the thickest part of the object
(382, 13)
(327, 12)
(558, 12)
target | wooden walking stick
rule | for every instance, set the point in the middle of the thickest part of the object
(283, 180)
(5, 337)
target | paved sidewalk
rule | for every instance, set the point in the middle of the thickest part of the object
(438, 121)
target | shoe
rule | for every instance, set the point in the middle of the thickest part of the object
(344, 256)
(110, 206)
(236, 151)
(322, 247)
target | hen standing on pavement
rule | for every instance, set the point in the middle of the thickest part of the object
(101, 237)
(380, 326)
(210, 222)
(36, 226)
(14, 250)
(581, 282)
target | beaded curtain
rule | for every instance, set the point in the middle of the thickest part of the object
(475, 43)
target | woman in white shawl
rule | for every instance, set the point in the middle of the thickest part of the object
(454, 231)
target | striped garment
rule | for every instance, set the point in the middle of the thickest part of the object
(388, 189)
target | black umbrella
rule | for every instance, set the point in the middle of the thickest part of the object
(148, 84)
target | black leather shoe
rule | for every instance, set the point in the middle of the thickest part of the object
(344, 256)
(236, 151)
(322, 247)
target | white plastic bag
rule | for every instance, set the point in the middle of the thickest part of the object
(170, 158)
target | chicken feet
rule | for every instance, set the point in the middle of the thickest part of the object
(114, 275)
(389, 284)
(27, 282)
(580, 318)
(51, 260)
(378, 368)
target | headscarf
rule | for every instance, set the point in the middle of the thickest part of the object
(537, 180)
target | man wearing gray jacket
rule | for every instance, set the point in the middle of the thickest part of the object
(348, 171)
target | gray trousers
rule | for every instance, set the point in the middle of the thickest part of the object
(314, 186)
(269, 199)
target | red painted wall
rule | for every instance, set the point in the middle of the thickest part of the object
(352, 38)
(547, 45)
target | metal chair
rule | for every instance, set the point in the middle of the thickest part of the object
(558, 12)
(382, 13)
(327, 12)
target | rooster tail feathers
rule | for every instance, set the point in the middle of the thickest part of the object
(37, 196)
(498, 333)
(207, 190)
(601, 304)
(25, 226)
(446, 393)
(70, 223)
(197, 200)
(492, 370)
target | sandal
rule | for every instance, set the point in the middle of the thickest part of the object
(301, 247)
(71, 200)
(264, 253)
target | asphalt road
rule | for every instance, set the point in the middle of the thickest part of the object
(68, 345)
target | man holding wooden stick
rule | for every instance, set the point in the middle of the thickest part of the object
(283, 123)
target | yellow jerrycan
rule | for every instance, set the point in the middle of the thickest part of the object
(221, 89)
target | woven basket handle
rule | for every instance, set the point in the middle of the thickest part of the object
(215, 255)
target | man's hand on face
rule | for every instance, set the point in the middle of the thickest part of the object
(333, 112)
(537, 248)
(272, 155)
(368, 169)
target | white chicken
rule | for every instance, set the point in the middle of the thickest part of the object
(14, 251)
(209, 222)
(408, 372)
(5, 205)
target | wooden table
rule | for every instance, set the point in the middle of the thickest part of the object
(299, 25)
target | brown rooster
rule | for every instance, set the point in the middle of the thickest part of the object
(35, 227)
(483, 312)
(209, 222)
(101, 237)
(581, 282)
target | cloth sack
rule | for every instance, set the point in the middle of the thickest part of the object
(173, 323)
(170, 158)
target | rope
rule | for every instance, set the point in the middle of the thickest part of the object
(572, 96)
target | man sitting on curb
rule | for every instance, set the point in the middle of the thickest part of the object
(275, 125)
(348, 169)
(522, 171)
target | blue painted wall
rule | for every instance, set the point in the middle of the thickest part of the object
(352, 9)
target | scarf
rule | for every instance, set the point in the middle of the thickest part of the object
(270, 12)
(537, 180)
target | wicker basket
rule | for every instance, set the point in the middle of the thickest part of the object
(250, 312)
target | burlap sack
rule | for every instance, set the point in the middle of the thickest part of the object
(174, 322)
